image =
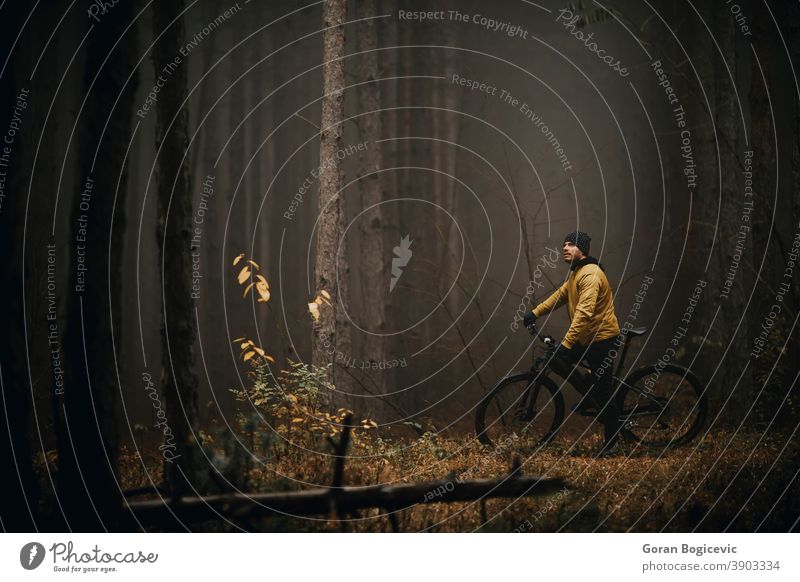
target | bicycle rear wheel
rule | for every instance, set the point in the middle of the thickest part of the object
(527, 405)
(664, 408)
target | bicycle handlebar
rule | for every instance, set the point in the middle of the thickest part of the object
(546, 339)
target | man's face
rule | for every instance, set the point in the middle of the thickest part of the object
(572, 253)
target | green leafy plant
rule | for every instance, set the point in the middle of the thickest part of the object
(296, 402)
(294, 407)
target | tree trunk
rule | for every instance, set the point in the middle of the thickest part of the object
(18, 512)
(706, 238)
(346, 500)
(762, 140)
(446, 128)
(330, 339)
(182, 454)
(775, 201)
(202, 161)
(727, 212)
(88, 486)
(372, 267)
(793, 18)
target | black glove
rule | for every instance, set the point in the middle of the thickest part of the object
(570, 355)
(529, 319)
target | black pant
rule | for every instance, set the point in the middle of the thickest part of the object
(601, 392)
(598, 356)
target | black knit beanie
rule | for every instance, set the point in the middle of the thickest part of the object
(580, 239)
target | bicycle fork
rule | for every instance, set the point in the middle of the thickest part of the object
(526, 409)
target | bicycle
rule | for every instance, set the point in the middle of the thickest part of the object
(662, 406)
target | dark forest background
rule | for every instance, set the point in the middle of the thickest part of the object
(241, 121)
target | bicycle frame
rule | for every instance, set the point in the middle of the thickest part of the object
(654, 399)
(632, 391)
(580, 381)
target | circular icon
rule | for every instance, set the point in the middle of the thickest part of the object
(31, 555)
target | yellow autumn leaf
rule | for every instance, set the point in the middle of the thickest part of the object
(325, 294)
(259, 351)
(252, 262)
(244, 275)
(313, 308)
(298, 420)
(263, 280)
(320, 299)
(263, 291)
(248, 355)
(270, 358)
(237, 259)
(246, 289)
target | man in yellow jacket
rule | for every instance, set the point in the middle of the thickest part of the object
(592, 333)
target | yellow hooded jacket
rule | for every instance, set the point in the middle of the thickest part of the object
(590, 304)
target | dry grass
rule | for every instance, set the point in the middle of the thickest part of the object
(722, 482)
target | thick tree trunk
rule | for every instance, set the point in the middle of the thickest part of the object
(772, 96)
(793, 18)
(372, 267)
(707, 242)
(88, 486)
(18, 512)
(733, 248)
(182, 454)
(203, 161)
(763, 144)
(330, 340)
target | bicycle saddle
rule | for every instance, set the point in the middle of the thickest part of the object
(634, 331)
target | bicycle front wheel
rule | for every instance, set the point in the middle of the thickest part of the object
(528, 406)
(663, 407)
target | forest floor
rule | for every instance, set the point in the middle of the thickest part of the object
(724, 481)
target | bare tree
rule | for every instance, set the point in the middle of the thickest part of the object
(773, 207)
(331, 334)
(18, 512)
(725, 210)
(88, 485)
(372, 265)
(447, 124)
(178, 331)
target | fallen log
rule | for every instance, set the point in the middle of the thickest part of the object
(346, 499)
